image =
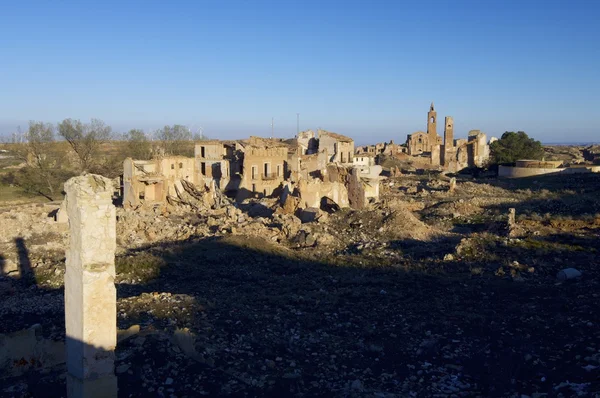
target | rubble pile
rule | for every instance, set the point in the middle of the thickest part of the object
(138, 228)
(401, 223)
(29, 221)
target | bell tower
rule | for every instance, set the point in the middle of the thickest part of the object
(432, 125)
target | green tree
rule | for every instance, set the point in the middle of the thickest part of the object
(176, 140)
(138, 145)
(515, 146)
(85, 139)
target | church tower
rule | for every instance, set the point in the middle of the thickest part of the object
(432, 125)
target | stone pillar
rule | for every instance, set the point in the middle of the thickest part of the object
(90, 294)
(511, 218)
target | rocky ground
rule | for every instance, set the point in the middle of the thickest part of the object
(426, 293)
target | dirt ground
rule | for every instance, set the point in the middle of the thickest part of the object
(426, 293)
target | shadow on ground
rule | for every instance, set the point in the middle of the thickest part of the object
(269, 321)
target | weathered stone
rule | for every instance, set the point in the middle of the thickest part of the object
(310, 214)
(90, 294)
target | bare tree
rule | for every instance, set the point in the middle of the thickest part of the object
(43, 173)
(138, 145)
(176, 140)
(85, 139)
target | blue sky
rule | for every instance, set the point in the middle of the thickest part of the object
(368, 69)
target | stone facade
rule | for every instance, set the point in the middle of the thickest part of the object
(264, 168)
(150, 182)
(418, 143)
(307, 142)
(354, 187)
(364, 160)
(312, 193)
(219, 162)
(339, 148)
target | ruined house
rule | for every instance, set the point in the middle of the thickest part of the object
(219, 161)
(363, 186)
(339, 148)
(307, 142)
(365, 159)
(460, 154)
(346, 186)
(152, 181)
(382, 148)
(264, 166)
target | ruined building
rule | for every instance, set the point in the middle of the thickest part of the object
(219, 161)
(312, 155)
(339, 148)
(320, 167)
(421, 142)
(450, 154)
(152, 181)
(382, 148)
(264, 166)
(307, 142)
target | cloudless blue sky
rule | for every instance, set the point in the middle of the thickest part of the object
(368, 69)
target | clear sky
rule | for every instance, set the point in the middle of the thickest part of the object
(368, 69)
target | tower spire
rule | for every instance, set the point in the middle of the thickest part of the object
(431, 108)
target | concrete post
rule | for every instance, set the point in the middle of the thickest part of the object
(90, 294)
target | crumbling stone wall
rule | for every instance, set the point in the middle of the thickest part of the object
(480, 149)
(417, 143)
(152, 181)
(340, 148)
(356, 193)
(264, 169)
(313, 191)
(216, 161)
(307, 142)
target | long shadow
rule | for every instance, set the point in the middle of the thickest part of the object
(259, 303)
(25, 269)
(268, 321)
(426, 250)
